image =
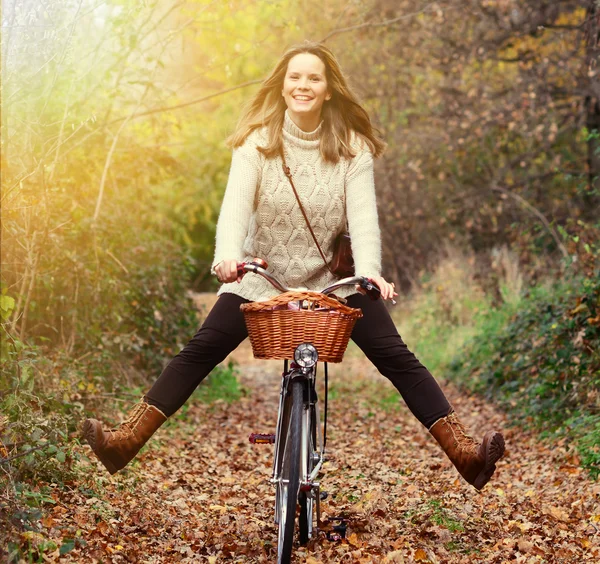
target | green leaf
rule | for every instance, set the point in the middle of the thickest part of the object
(60, 456)
(67, 546)
(7, 304)
(27, 378)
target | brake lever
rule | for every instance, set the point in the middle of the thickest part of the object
(254, 262)
(373, 291)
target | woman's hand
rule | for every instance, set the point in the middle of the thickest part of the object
(226, 271)
(388, 291)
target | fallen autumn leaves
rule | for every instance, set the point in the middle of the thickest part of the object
(200, 492)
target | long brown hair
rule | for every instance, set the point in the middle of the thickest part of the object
(341, 115)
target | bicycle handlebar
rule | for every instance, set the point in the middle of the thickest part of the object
(259, 266)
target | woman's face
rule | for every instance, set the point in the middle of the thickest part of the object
(305, 87)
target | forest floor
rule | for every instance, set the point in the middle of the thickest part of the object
(199, 492)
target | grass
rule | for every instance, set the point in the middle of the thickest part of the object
(443, 517)
(357, 378)
(434, 512)
(221, 384)
(450, 307)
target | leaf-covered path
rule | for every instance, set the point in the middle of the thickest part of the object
(200, 492)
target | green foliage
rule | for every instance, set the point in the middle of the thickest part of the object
(587, 431)
(543, 363)
(449, 305)
(443, 517)
(220, 385)
(37, 418)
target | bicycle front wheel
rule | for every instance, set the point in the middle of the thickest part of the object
(306, 499)
(289, 484)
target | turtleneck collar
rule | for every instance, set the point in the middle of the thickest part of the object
(293, 130)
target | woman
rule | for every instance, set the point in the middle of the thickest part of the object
(306, 114)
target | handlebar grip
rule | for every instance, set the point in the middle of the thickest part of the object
(371, 289)
(254, 262)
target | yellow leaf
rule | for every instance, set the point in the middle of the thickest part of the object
(421, 555)
(578, 309)
(118, 547)
(354, 540)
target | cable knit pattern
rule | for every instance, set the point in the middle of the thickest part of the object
(261, 218)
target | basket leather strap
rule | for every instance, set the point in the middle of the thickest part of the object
(288, 173)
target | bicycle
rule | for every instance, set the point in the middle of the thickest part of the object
(299, 438)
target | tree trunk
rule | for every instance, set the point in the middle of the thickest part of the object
(592, 101)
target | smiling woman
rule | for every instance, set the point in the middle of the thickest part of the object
(305, 90)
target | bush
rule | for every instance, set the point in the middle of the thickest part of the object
(543, 364)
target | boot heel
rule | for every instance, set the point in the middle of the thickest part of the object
(92, 432)
(89, 433)
(493, 443)
(494, 449)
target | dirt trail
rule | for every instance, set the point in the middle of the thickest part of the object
(200, 492)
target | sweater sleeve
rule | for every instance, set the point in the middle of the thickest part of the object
(361, 210)
(238, 201)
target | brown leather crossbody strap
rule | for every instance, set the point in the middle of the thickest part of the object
(288, 173)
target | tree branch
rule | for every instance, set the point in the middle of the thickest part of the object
(24, 453)
(377, 24)
(192, 102)
(537, 213)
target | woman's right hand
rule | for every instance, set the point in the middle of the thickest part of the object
(227, 271)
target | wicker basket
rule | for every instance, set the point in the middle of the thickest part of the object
(275, 330)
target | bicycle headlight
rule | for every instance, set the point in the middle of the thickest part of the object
(306, 355)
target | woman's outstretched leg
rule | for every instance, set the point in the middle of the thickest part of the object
(222, 331)
(376, 335)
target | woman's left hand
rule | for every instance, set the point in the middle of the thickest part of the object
(388, 291)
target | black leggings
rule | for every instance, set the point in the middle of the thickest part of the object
(375, 333)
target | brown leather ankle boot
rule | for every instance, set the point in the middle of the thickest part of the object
(117, 447)
(475, 462)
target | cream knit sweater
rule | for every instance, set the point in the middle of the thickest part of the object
(260, 216)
